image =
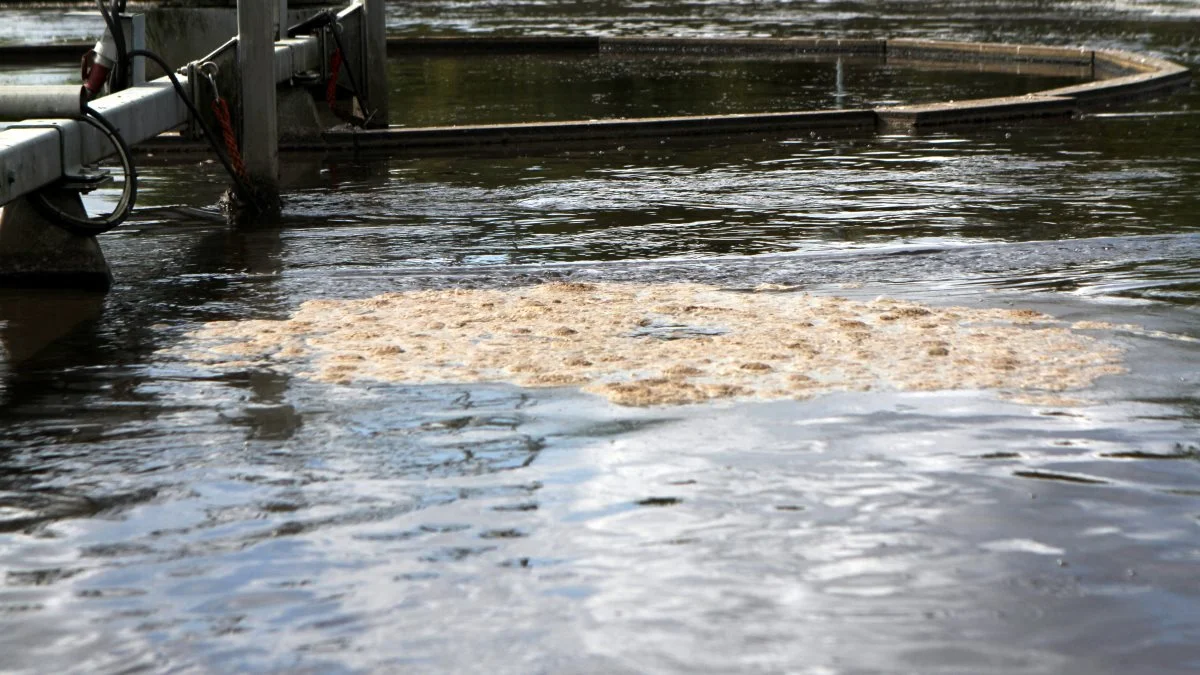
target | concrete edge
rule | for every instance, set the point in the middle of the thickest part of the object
(592, 130)
(1129, 63)
(1127, 88)
(798, 45)
(1124, 76)
(1081, 70)
(978, 111)
(502, 45)
(987, 51)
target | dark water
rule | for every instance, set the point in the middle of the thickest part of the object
(484, 89)
(24, 74)
(156, 517)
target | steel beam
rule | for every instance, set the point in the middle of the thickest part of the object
(36, 153)
(21, 102)
(297, 55)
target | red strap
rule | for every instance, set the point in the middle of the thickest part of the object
(335, 68)
(220, 109)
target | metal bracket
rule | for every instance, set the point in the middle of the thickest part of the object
(291, 61)
(134, 27)
(197, 74)
(74, 176)
(324, 40)
(210, 70)
(193, 83)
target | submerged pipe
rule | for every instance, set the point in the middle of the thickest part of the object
(20, 102)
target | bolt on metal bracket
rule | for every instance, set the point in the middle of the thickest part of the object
(74, 175)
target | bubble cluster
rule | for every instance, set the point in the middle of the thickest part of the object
(656, 344)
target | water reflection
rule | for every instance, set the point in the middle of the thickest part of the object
(31, 25)
(32, 321)
(161, 517)
(485, 89)
(27, 74)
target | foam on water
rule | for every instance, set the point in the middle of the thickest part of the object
(675, 343)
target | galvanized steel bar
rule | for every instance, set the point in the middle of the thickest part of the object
(20, 102)
(31, 158)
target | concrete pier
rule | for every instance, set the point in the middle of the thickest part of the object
(35, 253)
(36, 154)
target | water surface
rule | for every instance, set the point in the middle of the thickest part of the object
(158, 516)
(487, 89)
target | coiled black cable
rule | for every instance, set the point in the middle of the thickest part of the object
(86, 226)
(90, 227)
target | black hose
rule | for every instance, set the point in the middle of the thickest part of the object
(90, 227)
(329, 18)
(85, 226)
(123, 75)
(244, 192)
(337, 38)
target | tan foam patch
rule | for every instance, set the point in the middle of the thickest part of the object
(649, 344)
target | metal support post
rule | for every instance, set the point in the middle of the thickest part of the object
(281, 20)
(256, 82)
(134, 27)
(375, 58)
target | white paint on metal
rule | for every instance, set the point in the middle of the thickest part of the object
(39, 100)
(31, 158)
